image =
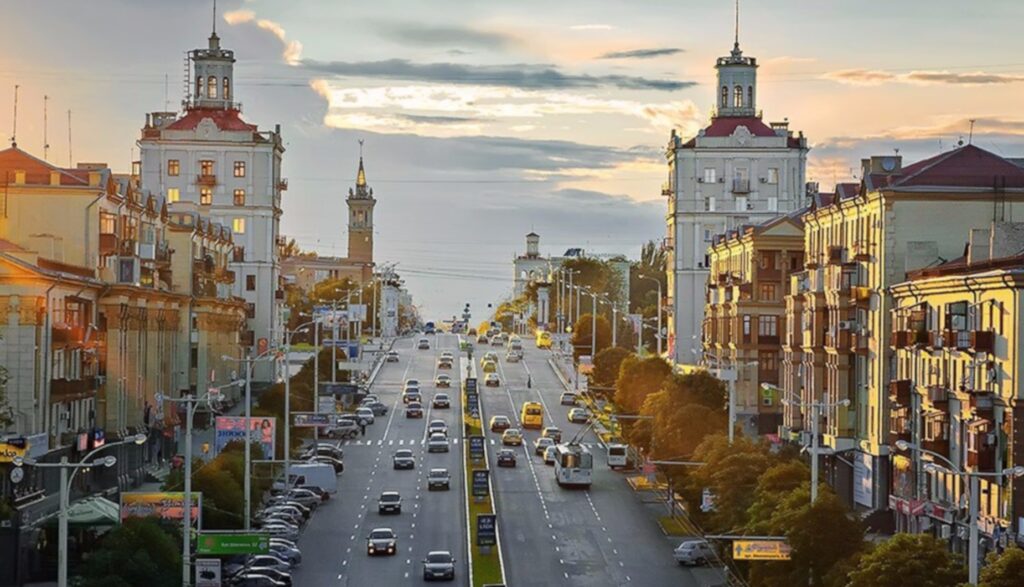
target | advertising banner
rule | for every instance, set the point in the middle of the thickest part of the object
(231, 428)
(327, 405)
(863, 478)
(208, 572)
(760, 550)
(486, 530)
(13, 448)
(476, 447)
(214, 544)
(163, 505)
(312, 420)
(481, 487)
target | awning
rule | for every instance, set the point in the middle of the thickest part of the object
(91, 511)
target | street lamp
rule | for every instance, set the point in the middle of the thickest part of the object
(730, 375)
(658, 281)
(65, 481)
(287, 395)
(973, 496)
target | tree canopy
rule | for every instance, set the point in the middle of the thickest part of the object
(607, 364)
(909, 559)
(1004, 569)
(140, 551)
(581, 339)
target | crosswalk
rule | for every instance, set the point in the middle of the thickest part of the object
(422, 442)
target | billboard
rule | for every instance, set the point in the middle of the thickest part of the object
(231, 428)
(208, 572)
(306, 420)
(481, 484)
(217, 544)
(13, 448)
(163, 505)
(760, 550)
(486, 530)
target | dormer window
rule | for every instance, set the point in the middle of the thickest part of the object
(211, 87)
(737, 97)
(227, 88)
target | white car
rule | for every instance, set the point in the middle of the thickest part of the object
(365, 415)
(423, 345)
(550, 454)
(491, 380)
(392, 357)
(438, 443)
(437, 426)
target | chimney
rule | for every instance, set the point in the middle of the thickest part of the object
(979, 246)
(54, 178)
(1007, 239)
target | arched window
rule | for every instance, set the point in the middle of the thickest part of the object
(199, 86)
(725, 96)
(211, 87)
(227, 88)
(737, 97)
(750, 96)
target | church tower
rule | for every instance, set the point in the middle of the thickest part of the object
(360, 218)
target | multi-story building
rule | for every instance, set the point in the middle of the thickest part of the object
(956, 389)
(210, 157)
(745, 317)
(857, 244)
(736, 171)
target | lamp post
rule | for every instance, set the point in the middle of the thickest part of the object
(730, 375)
(65, 483)
(973, 496)
(287, 397)
(658, 281)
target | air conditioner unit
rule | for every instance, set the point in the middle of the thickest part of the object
(721, 180)
(945, 531)
(764, 180)
(847, 324)
(101, 380)
(700, 180)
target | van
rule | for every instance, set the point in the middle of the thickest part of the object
(616, 455)
(316, 474)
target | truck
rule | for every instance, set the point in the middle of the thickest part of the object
(319, 475)
(429, 328)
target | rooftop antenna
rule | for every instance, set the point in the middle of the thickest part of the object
(167, 103)
(14, 132)
(46, 143)
(215, 18)
(970, 137)
(737, 38)
(69, 139)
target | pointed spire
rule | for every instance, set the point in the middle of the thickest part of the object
(736, 43)
(361, 176)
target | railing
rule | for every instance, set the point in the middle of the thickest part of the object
(983, 341)
(936, 445)
(108, 244)
(71, 388)
(769, 273)
(983, 459)
(67, 335)
(163, 252)
(206, 180)
(937, 394)
(128, 247)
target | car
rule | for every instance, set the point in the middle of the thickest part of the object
(391, 357)
(448, 355)
(438, 479)
(443, 380)
(276, 530)
(496, 341)
(389, 502)
(306, 498)
(489, 356)
(364, 416)
(438, 426)
(339, 467)
(439, 564)
(512, 437)
(283, 517)
(324, 448)
(378, 407)
(693, 552)
(541, 444)
(403, 459)
(268, 561)
(552, 433)
(293, 503)
(437, 443)
(381, 541)
(550, 454)
(253, 579)
(506, 457)
(324, 496)
(491, 380)
(568, 399)
(578, 416)
(345, 429)
(414, 410)
(441, 400)
(284, 577)
(411, 395)
(423, 344)
(444, 363)
(512, 357)
(500, 423)
(411, 383)
(289, 553)
(482, 339)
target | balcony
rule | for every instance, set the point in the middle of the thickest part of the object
(206, 180)
(128, 247)
(69, 389)
(163, 253)
(67, 334)
(937, 395)
(982, 460)
(741, 186)
(769, 274)
(108, 244)
(247, 338)
(204, 265)
(936, 340)
(204, 288)
(983, 341)
(899, 392)
(861, 296)
(907, 338)
(840, 340)
(860, 343)
(936, 445)
(899, 429)
(835, 255)
(862, 251)
(746, 291)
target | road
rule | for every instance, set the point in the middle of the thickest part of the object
(334, 542)
(602, 536)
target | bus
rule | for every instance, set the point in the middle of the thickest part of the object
(532, 415)
(574, 465)
(543, 339)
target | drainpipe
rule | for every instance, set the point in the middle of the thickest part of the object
(47, 342)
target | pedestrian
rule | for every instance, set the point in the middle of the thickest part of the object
(529, 381)
(362, 429)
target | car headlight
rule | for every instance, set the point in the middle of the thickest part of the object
(371, 548)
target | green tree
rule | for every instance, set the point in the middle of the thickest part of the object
(731, 472)
(1003, 570)
(909, 559)
(138, 552)
(774, 484)
(637, 379)
(606, 366)
(581, 339)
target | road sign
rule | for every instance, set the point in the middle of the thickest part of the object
(481, 486)
(327, 405)
(761, 550)
(330, 342)
(312, 420)
(215, 544)
(486, 530)
(476, 447)
(338, 388)
(208, 572)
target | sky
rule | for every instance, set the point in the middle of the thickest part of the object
(484, 121)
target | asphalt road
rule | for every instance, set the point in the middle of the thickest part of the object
(334, 542)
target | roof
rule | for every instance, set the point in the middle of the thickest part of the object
(724, 126)
(847, 190)
(224, 119)
(7, 246)
(361, 175)
(533, 234)
(960, 266)
(38, 171)
(967, 166)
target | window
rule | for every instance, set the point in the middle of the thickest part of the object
(238, 255)
(206, 167)
(173, 167)
(767, 292)
(199, 86)
(773, 175)
(227, 88)
(750, 96)
(108, 223)
(238, 225)
(250, 310)
(956, 316)
(205, 196)
(737, 97)
(239, 197)
(250, 283)
(239, 168)
(725, 96)
(709, 175)
(768, 361)
(211, 87)
(767, 326)
(173, 195)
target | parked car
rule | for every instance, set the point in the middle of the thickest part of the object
(439, 564)
(364, 416)
(693, 552)
(339, 467)
(506, 457)
(578, 416)
(552, 433)
(376, 406)
(437, 443)
(568, 399)
(389, 502)
(253, 579)
(438, 479)
(512, 437)
(392, 357)
(491, 380)
(344, 429)
(324, 448)
(441, 401)
(381, 541)
(414, 410)
(403, 459)
(283, 577)
(500, 423)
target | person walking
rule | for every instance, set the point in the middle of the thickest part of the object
(362, 429)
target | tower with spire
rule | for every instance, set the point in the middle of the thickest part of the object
(360, 217)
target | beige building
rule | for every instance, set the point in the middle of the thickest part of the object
(956, 387)
(859, 243)
(744, 315)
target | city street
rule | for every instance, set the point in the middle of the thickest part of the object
(334, 543)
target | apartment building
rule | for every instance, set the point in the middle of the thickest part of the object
(857, 244)
(744, 314)
(956, 389)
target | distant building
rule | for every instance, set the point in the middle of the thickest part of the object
(737, 171)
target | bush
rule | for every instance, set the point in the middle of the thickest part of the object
(1003, 570)
(140, 551)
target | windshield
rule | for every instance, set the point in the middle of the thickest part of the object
(380, 534)
(390, 497)
(439, 558)
(533, 411)
(617, 451)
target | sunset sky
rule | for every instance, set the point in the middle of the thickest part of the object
(486, 120)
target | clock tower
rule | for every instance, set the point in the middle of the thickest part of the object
(360, 218)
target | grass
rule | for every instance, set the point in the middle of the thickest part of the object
(486, 567)
(673, 526)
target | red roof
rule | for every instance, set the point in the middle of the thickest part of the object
(724, 126)
(968, 166)
(224, 119)
(847, 190)
(37, 171)
(8, 246)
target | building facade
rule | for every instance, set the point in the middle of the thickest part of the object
(737, 171)
(208, 158)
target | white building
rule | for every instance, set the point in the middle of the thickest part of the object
(735, 172)
(231, 171)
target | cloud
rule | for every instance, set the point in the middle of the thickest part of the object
(426, 35)
(523, 75)
(874, 77)
(591, 27)
(292, 50)
(641, 53)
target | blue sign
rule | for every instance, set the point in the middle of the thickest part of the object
(481, 485)
(330, 342)
(486, 530)
(471, 385)
(338, 388)
(476, 447)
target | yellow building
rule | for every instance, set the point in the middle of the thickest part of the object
(857, 245)
(744, 315)
(957, 385)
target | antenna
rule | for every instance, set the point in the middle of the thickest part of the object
(361, 148)
(737, 41)
(214, 17)
(46, 143)
(69, 139)
(970, 137)
(14, 132)
(166, 103)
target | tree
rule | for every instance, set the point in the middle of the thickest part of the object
(1003, 570)
(606, 366)
(774, 484)
(581, 339)
(138, 552)
(909, 559)
(731, 472)
(637, 379)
